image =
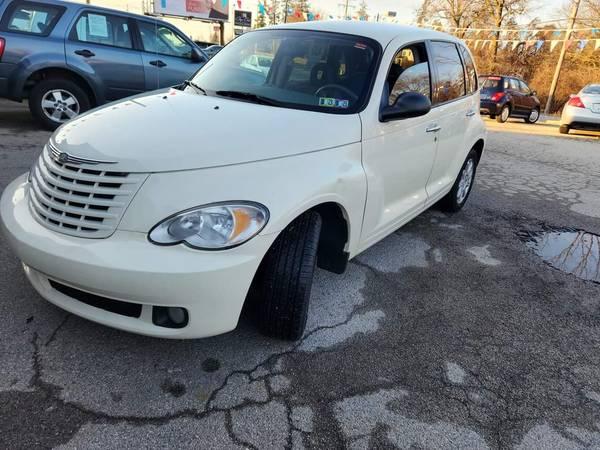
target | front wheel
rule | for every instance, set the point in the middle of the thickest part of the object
(55, 101)
(504, 114)
(458, 195)
(534, 116)
(286, 278)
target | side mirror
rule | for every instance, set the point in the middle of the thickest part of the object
(534, 93)
(407, 105)
(197, 55)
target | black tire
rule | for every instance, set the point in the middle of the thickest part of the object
(501, 118)
(528, 119)
(493, 116)
(564, 129)
(451, 202)
(286, 279)
(44, 87)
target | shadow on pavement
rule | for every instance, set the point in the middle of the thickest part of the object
(16, 116)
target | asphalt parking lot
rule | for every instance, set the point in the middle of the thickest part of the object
(450, 333)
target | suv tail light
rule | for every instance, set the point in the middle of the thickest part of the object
(576, 102)
(2, 45)
(498, 96)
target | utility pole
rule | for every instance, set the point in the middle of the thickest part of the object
(346, 11)
(563, 53)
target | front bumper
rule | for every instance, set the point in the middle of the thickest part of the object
(212, 286)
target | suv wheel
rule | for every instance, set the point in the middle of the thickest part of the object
(534, 116)
(55, 101)
(458, 195)
(286, 279)
(504, 114)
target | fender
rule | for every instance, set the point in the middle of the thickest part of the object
(29, 66)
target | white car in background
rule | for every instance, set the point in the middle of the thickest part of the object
(258, 63)
(582, 112)
(163, 213)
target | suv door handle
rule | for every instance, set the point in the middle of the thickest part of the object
(157, 63)
(433, 129)
(85, 53)
(470, 113)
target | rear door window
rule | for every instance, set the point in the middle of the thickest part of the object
(31, 18)
(104, 29)
(451, 73)
(471, 71)
(514, 85)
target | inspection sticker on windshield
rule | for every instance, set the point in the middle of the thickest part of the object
(333, 102)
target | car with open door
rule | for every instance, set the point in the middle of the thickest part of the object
(165, 213)
(66, 58)
(503, 97)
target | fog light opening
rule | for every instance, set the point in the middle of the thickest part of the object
(169, 317)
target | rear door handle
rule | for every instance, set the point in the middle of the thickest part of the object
(85, 53)
(471, 113)
(157, 63)
(433, 129)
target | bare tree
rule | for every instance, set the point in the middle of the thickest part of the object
(460, 14)
(499, 12)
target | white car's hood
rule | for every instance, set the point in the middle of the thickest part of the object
(174, 130)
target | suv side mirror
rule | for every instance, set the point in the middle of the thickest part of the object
(534, 93)
(407, 105)
(197, 55)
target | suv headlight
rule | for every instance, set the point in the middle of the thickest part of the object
(212, 227)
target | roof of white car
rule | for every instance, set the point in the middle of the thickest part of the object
(381, 32)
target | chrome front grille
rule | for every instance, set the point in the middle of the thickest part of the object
(77, 200)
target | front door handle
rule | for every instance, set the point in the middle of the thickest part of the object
(157, 63)
(471, 113)
(85, 53)
(433, 129)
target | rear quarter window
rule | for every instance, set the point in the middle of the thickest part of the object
(31, 18)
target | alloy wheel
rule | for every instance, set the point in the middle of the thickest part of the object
(466, 179)
(60, 105)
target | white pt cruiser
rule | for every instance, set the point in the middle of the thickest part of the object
(161, 214)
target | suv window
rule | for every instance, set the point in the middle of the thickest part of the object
(471, 71)
(157, 38)
(514, 84)
(451, 73)
(98, 28)
(409, 72)
(33, 18)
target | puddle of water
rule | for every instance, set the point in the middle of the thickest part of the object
(572, 251)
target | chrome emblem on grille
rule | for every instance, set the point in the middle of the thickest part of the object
(65, 158)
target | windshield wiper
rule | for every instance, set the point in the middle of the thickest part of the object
(250, 97)
(194, 85)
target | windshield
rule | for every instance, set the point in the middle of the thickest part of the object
(490, 83)
(592, 89)
(319, 71)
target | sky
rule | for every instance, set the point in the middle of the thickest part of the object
(544, 9)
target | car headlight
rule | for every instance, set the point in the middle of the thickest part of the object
(212, 227)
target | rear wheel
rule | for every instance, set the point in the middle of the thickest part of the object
(534, 116)
(504, 114)
(458, 195)
(55, 101)
(286, 276)
(564, 129)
